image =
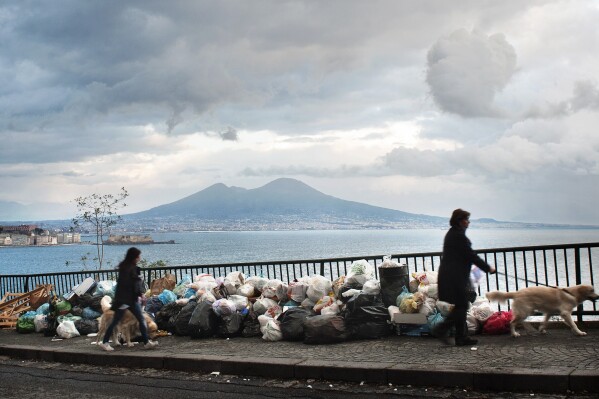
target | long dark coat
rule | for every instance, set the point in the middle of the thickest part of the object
(456, 262)
(127, 286)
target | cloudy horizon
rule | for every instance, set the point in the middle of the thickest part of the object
(419, 106)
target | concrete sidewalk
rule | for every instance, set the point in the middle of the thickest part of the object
(555, 362)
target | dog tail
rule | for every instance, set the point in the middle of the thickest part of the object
(106, 303)
(500, 296)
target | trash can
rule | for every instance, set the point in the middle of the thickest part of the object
(392, 280)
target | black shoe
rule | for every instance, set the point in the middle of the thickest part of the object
(465, 341)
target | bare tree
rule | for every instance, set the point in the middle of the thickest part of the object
(99, 212)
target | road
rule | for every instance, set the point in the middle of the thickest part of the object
(34, 380)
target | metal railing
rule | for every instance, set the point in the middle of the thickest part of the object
(517, 267)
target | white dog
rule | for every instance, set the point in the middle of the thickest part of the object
(547, 300)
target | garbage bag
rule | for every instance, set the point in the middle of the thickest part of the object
(40, 322)
(392, 280)
(361, 300)
(223, 307)
(67, 329)
(272, 331)
(291, 323)
(203, 321)
(498, 323)
(251, 326)
(318, 287)
(43, 309)
(168, 282)
(365, 314)
(263, 304)
(153, 305)
(230, 326)
(63, 307)
(89, 301)
(87, 326)
(89, 313)
(106, 287)
(26, 323)
(182, 320)
(167, 297)
(324, 329)
(167, 316)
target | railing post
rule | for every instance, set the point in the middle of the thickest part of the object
(578, 272)
(322, 268)
(26, 287)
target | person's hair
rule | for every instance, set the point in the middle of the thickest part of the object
(130, 256)
(457, 216)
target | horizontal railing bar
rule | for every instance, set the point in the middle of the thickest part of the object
(329, 260)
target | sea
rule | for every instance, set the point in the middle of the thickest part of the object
(209, 247)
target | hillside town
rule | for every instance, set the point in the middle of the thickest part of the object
(32, 235)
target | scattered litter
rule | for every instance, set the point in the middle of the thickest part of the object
(310, 386)
(228, 380)
(390, 384)
(215, 373)
(532, 394)
(56, 339)
(361, 382)
(227, 339)
(92, 334)
(331, 385)
(473, 349)
(94, 342)
(395, 389)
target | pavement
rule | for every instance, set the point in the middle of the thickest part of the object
(557, 362)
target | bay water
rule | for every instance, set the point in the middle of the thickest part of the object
(201, 248)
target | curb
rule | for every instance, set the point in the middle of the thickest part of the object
(550, 380)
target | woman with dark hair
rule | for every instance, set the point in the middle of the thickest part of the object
(454, 278)
(128, 291)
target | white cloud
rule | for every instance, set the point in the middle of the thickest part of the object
(466, 70)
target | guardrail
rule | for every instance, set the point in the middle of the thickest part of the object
(517, 267)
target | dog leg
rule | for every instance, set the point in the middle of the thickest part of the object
(513, 325)
(543, 326)
(568, 320)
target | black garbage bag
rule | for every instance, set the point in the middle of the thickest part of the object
(87, 326)
(230, 326)
(251, 326)
(182, 319)
(167, 317)
(392, 280)
(77, 311)
(153, 305)
(88, 301)
(203, 322)
(325, 329)
(366, 313)
(347, 287)
(292, 321)
(361, 300)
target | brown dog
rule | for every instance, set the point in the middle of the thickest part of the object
(548, 300)
(128, 326)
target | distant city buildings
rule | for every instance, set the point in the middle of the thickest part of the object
(30, 234)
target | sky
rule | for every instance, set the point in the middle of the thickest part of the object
(420, 106)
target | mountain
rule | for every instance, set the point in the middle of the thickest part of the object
(282, 203)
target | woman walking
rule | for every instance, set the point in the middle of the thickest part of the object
(127, 297)
(454, 278)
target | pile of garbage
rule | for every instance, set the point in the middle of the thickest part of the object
(312, 309)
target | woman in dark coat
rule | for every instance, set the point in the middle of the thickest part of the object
(128, 290)
(454, 277)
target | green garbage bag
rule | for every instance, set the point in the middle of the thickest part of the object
(63, 307)
(25, 324)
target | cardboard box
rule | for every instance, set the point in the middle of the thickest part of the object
(409, 318)
(84, 287)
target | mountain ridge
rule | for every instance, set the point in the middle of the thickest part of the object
(278, 199)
